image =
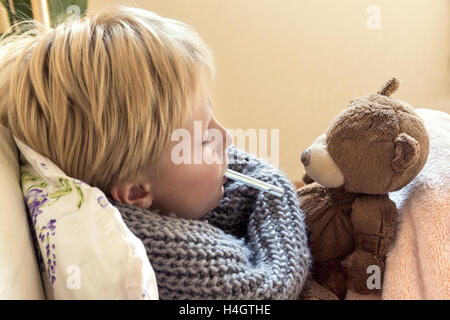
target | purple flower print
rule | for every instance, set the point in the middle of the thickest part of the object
(79, 182)
(51, 225)
(45, 234)
(102, 201)
(35, 198)
(44, 165)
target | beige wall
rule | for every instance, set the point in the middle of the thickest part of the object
(293, 64)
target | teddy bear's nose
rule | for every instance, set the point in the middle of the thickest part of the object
(306, 157)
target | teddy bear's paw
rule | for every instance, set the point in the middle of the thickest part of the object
(314, 291)
(312, 196)
(364, 272)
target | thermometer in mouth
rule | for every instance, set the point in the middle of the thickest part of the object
(255, 183)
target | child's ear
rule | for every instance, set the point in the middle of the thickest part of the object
(137, 194)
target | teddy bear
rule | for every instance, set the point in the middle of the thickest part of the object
(374, 146)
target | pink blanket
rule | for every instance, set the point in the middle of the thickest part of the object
(418, 265)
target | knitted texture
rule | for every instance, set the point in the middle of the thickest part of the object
(251, 246)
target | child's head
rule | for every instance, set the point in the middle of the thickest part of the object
(101, 96)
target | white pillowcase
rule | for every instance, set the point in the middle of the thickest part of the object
(88, 252)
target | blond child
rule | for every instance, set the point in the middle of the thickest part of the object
(101, 97)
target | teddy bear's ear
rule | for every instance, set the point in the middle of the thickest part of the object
(406, 152)
(389, 87)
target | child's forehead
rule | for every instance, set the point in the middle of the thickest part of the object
(202, 110)
(204, 95)
(202, 106)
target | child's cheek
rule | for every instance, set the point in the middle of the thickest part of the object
(210, 155)
(212, 167)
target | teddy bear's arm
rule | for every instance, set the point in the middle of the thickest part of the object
(327, 216)
(374, 221)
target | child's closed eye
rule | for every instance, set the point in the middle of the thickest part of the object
(207, 139)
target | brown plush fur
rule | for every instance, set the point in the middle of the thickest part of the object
(379, 144)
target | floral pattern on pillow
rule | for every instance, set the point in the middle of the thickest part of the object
(76, 228)
(35, 199)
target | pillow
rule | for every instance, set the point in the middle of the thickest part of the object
(19, 274)
(84, 247)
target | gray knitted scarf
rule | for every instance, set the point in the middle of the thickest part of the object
(251, 246)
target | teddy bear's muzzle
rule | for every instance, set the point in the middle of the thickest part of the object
(320, 166)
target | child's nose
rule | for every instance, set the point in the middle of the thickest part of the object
(228, 138)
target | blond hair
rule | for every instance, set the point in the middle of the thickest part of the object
(100, 96)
